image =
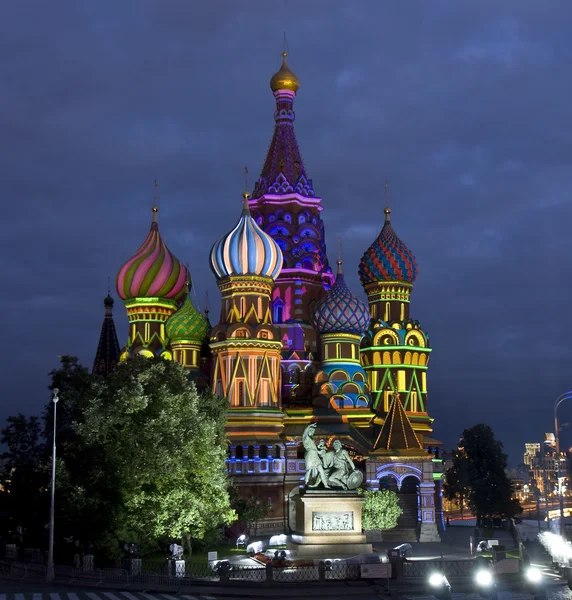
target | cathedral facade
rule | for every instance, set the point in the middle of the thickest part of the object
(293, 344)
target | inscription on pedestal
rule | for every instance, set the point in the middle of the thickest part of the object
(332, 521)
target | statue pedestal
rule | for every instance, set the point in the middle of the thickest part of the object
(328, 524)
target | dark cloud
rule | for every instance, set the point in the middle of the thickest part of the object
(463, 107)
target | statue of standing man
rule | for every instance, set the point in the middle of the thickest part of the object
(315, 473)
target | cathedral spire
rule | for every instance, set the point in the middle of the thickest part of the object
(107, 355)
(283, 172)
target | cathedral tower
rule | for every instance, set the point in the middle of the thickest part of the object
(245, 344)
(286, 207)
(107, 355)
(395, 350)
(186, 331)
(151, 284)
(341, 318)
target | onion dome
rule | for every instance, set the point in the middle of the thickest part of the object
(187, 324)
(153, 272)
(246, 250)
(388, 258)
(284, 79)
(341, 311)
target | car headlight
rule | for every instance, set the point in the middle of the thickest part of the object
(435, 579)
(484, 578)
(533, 574)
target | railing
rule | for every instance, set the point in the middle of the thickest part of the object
(165, 574)
(454, 570)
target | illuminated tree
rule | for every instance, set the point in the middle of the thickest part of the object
(166, 445)
(380, 509)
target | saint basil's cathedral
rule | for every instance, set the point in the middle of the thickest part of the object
(293, 344)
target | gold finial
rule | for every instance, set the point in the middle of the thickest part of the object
(339, 261)
(155, 207)
(188, 278)
(245, 194)
(387, 210)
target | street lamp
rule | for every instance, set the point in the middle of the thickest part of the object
(559, 400)
(50, 570)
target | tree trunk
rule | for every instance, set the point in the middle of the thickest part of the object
(187, 541)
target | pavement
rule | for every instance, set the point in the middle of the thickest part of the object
(34, 592)
(454, 545)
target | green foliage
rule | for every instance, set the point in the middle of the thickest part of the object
(489, 490)
(140, 457)
(248, 510)
(26, 476)
(165, 445)
(456, 485)
(380, 510)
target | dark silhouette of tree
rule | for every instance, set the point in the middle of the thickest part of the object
(480, 467)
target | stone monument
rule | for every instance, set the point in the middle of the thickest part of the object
(328, 510)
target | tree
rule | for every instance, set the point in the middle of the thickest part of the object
(249, 511)
(380, 509)
(25, 476)
(166, 445)
(86, 490)
(457, 480)
(490, 493)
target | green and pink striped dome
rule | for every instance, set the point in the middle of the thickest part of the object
(153, 272)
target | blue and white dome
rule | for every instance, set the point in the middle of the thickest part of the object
(246, 250)
(341, 311)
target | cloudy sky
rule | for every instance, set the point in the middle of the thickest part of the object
(463, 106)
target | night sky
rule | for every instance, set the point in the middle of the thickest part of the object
(463, 106)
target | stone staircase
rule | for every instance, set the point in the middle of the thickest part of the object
(406, 529)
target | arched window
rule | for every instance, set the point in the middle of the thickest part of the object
(277, 451)
(250, 452)
(263, 451)
(238, 452)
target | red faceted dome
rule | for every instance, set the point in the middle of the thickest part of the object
(388, 258)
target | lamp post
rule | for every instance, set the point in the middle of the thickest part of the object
(50, 569)
(557, 403)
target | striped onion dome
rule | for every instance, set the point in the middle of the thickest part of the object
(153, 271)
(246, 250)
(341, 311)
(388, 258)
(187, 324)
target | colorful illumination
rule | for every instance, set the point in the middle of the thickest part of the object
(341, 311)
(246, 250)
(153, 271)
(388, 258)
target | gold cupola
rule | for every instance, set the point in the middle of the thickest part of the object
(284, 79)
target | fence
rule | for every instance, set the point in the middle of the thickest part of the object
(168, 575)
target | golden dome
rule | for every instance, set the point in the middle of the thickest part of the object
(284, 79)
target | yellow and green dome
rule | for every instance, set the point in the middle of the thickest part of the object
(187, 324)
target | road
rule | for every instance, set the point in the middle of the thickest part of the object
(30, 592)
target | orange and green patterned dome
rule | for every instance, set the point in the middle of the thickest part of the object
(187, 324)
(153, 272)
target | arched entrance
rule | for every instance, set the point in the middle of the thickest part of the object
(409, 502)
(387, 482)
(404, 480)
